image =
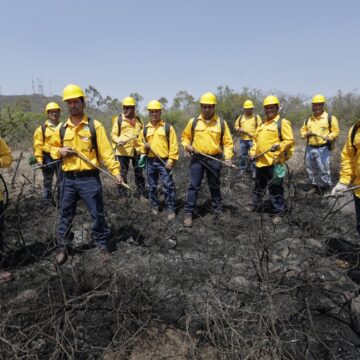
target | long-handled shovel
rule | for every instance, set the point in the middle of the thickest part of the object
(342, 192)
(88, 161)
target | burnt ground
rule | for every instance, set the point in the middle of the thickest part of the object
(235, 287)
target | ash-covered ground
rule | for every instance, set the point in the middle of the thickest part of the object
(234, 287)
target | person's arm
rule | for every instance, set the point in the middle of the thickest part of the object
(105, 150)
(173, 147)
(38, 145)
(5, 155)
(228, 144)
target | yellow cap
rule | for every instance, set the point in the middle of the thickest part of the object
(129, 101)
(208, 98)
(72, 91)
(52, 106)
(154, 105)
(271, 100)
(318, 98)
(248, 104)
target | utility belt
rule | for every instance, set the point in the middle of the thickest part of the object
(319, 146)
(80, 174)
(164, 159)
(202, 157)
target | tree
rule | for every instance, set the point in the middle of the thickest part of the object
(163, 101)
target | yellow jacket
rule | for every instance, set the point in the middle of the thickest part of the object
(79, 138)
(5, 159)
(156, 138)
(248, 124)
(266, 136)
(41, 143)
(350, 162)
(320, 126)
(128, 131)
(207, 137)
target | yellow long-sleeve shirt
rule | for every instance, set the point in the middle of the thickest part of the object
(129, 130)
(41, 142)
(79, 138)
(207, 137)
(5, 159)
(247, 124)
(266, 136)
(320, 126)
(350, 161)
(156, 138)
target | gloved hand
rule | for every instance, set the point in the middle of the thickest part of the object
(338, 189)
(32, 160)
(142, 161)
(274, 147)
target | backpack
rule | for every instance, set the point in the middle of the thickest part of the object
(92, 132)
(289, 152)
(330, 144)
(222, 127)
(120, 119)
(167, 132)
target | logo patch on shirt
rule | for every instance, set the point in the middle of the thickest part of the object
(84, 138)
(86, 128)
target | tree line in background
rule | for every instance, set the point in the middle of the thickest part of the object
(20, 117)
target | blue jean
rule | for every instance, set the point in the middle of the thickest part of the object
(88, 189)
(139, 178)
(264, 177)
(48, 174)
(245, 146)
(317, 162)
(198, 166)
(155, 170)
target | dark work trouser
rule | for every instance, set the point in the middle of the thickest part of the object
(48, 175)
(139, 178)
(155, 170)
(357, 212)
(85, 185)
(264, 178)
(198, 166)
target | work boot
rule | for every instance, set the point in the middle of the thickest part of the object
(143, 199)
(5, 276)
(104, 254)
(61, 257)
(171, 216)
(276, 220)
(188, 220)
(155, 211)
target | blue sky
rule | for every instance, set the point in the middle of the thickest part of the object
(159, 47)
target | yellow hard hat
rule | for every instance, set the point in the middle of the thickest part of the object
(52, 106)
(318, 98)
(154, 105)
(72, 91)
(129, 101)
(248, 104)
(208, 98)
(271, 100)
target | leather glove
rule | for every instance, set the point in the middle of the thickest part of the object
(338, 189)
(142, 161)
(32, 160)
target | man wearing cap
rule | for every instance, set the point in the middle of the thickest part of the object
(77, 139)
(125, 130)
(158, 142)
(42, 149)
(273, 146)
(206, 135)
(246, 126)
(320, 131)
